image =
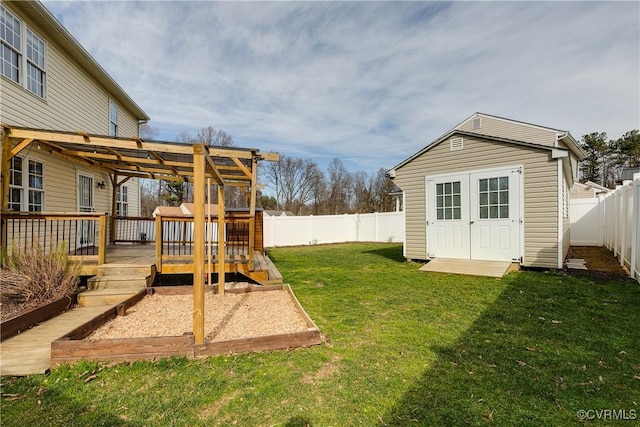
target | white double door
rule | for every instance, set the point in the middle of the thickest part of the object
(475, 215)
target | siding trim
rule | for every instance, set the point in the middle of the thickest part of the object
(559, 184)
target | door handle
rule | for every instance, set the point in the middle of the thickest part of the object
(471, 222)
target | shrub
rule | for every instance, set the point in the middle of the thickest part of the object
(35, 275)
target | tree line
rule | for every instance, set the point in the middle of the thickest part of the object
(606, 158)
(300, 186)
(294, 184)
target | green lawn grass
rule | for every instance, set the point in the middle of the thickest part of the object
(403, 348)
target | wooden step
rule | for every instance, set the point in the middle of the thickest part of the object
(112, 270)
(119, 282)
(106, 296)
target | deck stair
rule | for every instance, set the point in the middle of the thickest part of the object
(116, 282)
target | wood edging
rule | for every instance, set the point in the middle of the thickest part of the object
(73, 347)
(88, 327)
(26, 320)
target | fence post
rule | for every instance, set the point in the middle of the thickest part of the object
(635, 227)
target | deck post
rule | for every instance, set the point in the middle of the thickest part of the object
(102, 239)
(221, 240)
(114, 189)
(252, 211)
(5, 165)
(159, 242)
(198, 243)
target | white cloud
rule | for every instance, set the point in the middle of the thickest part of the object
(370, 83)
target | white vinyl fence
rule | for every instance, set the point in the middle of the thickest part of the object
(313, 230)
(612, 221)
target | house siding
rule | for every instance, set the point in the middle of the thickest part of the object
(540, 199)
(73, 101)
(511, 130)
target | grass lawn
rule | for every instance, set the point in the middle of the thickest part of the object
(403, 348)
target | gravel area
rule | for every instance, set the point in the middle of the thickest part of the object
(227, 317)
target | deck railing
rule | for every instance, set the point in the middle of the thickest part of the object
(173, 236)
(132, 229)
(85, 234)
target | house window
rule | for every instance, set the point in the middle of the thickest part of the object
(494, 198)
(10, 36)
(122, 201)
(113, 118)
(25, 69)
(35, 64)
(477, 124)
(448, 201)
(34, 185)
(16, 184)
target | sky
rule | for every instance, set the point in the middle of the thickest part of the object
(370, 83)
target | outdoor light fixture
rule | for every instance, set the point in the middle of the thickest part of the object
(100, 184)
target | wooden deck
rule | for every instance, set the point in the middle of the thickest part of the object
(470, 267)
(131, 256)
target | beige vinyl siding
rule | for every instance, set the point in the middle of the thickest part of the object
(540, 188)
(511, 130)
(581, 191)
(73, 100)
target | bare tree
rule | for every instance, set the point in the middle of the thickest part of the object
(339, 188)
(293, 181)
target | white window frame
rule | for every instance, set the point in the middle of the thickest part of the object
(31, 51)
(122, 201)
(25, 189)
(113, 118)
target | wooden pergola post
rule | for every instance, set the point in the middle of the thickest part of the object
(114, 190)
(221, 240)
(198, 243)
(5, 164)
(252, 210)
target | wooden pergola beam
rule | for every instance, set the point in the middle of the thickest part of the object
(85, 139)
(19, 147)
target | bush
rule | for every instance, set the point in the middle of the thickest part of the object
(35, 275)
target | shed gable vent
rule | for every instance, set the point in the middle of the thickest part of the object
(455, 144)
(476, 123)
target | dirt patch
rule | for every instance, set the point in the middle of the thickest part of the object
(326, 370)
(227, 317)
(600, 262)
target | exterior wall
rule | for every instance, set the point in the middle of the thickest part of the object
(540, 193)
(73, 101)
(581, 191)
(511, 130)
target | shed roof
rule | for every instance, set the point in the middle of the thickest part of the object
(476, 135)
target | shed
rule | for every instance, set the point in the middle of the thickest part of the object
(491, 188)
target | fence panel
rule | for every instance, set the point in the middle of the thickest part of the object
(612, 221)
(586, 222)
(311, 230)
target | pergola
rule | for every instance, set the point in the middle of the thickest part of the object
(126, 158)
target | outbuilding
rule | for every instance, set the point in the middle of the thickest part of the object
(491, 188)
